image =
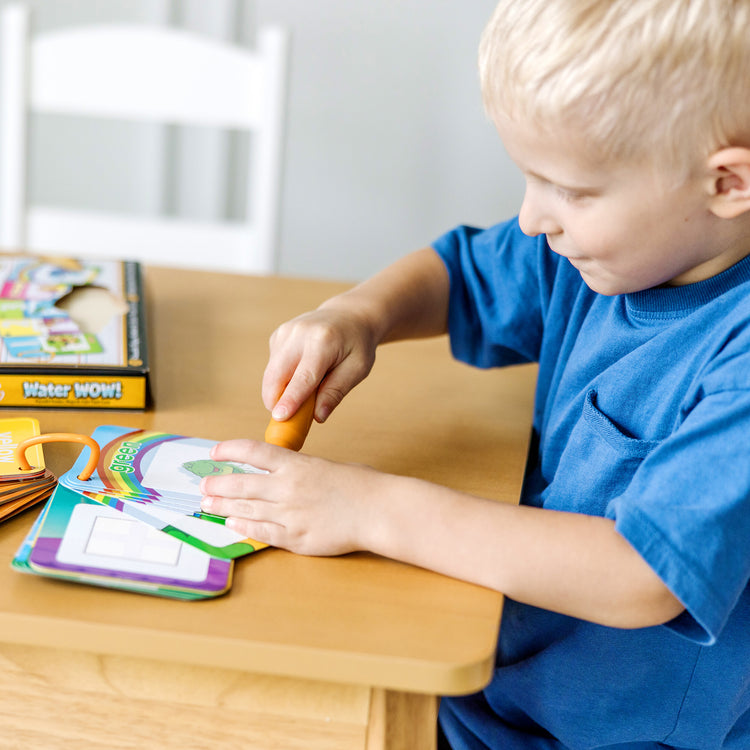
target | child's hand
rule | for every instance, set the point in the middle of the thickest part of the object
(331, 349)
(303, 504)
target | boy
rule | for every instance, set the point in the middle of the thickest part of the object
(626, 276)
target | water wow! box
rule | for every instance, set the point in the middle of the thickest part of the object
(72, 333)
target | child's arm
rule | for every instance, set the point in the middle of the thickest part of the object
(334, 346)
(571, 563)
(566, 562)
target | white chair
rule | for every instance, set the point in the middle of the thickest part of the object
(147, 74)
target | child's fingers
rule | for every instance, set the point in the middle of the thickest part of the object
(297, 363)
(268, 458)
(251, 510)
(280, 370)
(261, 531)
(337, 383)
(249, 518)
(275, 377)
(332, 379)
(234, 486)
(302, 385)
(257, 453)
(290, 377)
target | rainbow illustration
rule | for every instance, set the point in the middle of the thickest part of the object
(152, 476)
(122, 459)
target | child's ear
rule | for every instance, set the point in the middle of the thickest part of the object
(729, 185)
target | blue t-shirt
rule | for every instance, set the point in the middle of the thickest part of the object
(643, 416)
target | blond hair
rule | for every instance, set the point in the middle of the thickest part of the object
(662, 80)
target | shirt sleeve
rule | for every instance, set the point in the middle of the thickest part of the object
(499, 287)
(687, 512)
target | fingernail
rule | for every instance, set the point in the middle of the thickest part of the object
(280, 413)
(207, 503)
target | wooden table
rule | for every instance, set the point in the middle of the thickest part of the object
(329, 653)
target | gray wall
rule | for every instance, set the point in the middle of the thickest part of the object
(387, 145)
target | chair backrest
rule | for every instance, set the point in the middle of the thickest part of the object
(147, 74)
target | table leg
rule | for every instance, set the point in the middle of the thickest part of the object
(401, 721)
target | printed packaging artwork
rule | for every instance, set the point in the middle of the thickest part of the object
(72, 333)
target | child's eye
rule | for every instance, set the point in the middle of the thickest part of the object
(571, 196)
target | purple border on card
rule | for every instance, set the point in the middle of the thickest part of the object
(45, 550)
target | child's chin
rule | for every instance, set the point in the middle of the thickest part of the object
(606, 287)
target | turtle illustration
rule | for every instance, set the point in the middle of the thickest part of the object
(205, 467)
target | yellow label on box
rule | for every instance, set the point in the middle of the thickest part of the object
(59, 391)
(12, 432)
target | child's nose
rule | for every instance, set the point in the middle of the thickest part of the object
(534, 218)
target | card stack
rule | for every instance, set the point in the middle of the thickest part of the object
(21, 489)
(127, 515)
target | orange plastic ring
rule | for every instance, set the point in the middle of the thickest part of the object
(60, 437)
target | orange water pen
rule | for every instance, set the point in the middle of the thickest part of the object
(291, 433)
